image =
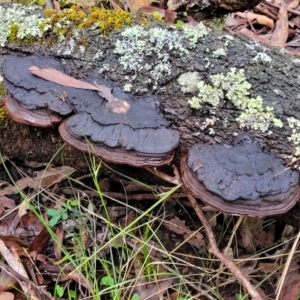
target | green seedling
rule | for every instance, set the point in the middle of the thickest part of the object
(108, 281)
(63, 213)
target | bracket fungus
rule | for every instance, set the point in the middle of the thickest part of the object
(137, 137)
(102, 118)
(240, 180)
(31, 91)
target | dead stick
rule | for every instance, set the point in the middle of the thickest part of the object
(215, 251)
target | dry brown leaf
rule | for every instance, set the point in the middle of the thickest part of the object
(7, 202)
(53, 75)
(13, 260)
(30, 222)
(281, 32)
(6, 296)
(38, 245)
(253, 234)
(268, 268)
(22, 210)
(151, 9)
(135, 5)
(291, 285)
(293, 4)
(42, 178)
(258, 38)
(231, 20)
(262, 20)
(178, 226)
(156, 291)
(62, 79)
(60, 234)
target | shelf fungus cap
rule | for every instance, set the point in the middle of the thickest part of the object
(240, 180)
(36, 117)
(138, 137)
(31, 92)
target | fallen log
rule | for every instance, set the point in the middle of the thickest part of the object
(210, 86)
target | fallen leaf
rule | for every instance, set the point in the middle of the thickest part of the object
(258, 38)
(7, 296)
(291, 285)
(53, 75)
(42, 178)
(281, 32)
(135, 5)
(58, 77)
(262, 20)
(38, 245)
(178, 226)
(7, 202)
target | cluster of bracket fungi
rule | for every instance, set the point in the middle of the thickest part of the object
(241, 179)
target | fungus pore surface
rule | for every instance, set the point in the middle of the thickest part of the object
(241, 179)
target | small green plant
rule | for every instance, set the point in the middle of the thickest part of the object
(70, 209)
(58, 291)
(240, 296)
(108, 281)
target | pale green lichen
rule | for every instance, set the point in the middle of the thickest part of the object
(25, 20)
(207, 94)
(263, 58)
(194, 33)
(127, 87)
(188, 82)
(219, 52)
(138, 43)
(294, 124)
(228, 39)
(234, 87)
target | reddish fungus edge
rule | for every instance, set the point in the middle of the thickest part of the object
(114, 155)
(264, 206)
(36, 117)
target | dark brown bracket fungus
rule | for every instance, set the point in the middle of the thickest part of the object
(137, 136)
(240, 180)
(37, 117)
(31, 91)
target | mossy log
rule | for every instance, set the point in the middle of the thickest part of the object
(168, 62)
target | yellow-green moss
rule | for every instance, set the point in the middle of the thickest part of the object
(106, 20)
(2, 89)
(13, 32)
(6, 121)
(13, 35)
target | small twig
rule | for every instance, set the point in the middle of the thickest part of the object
(172, 179)
(292, 11)
(215, 251)
(264, 11)
(121, 196)
(250, 23)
